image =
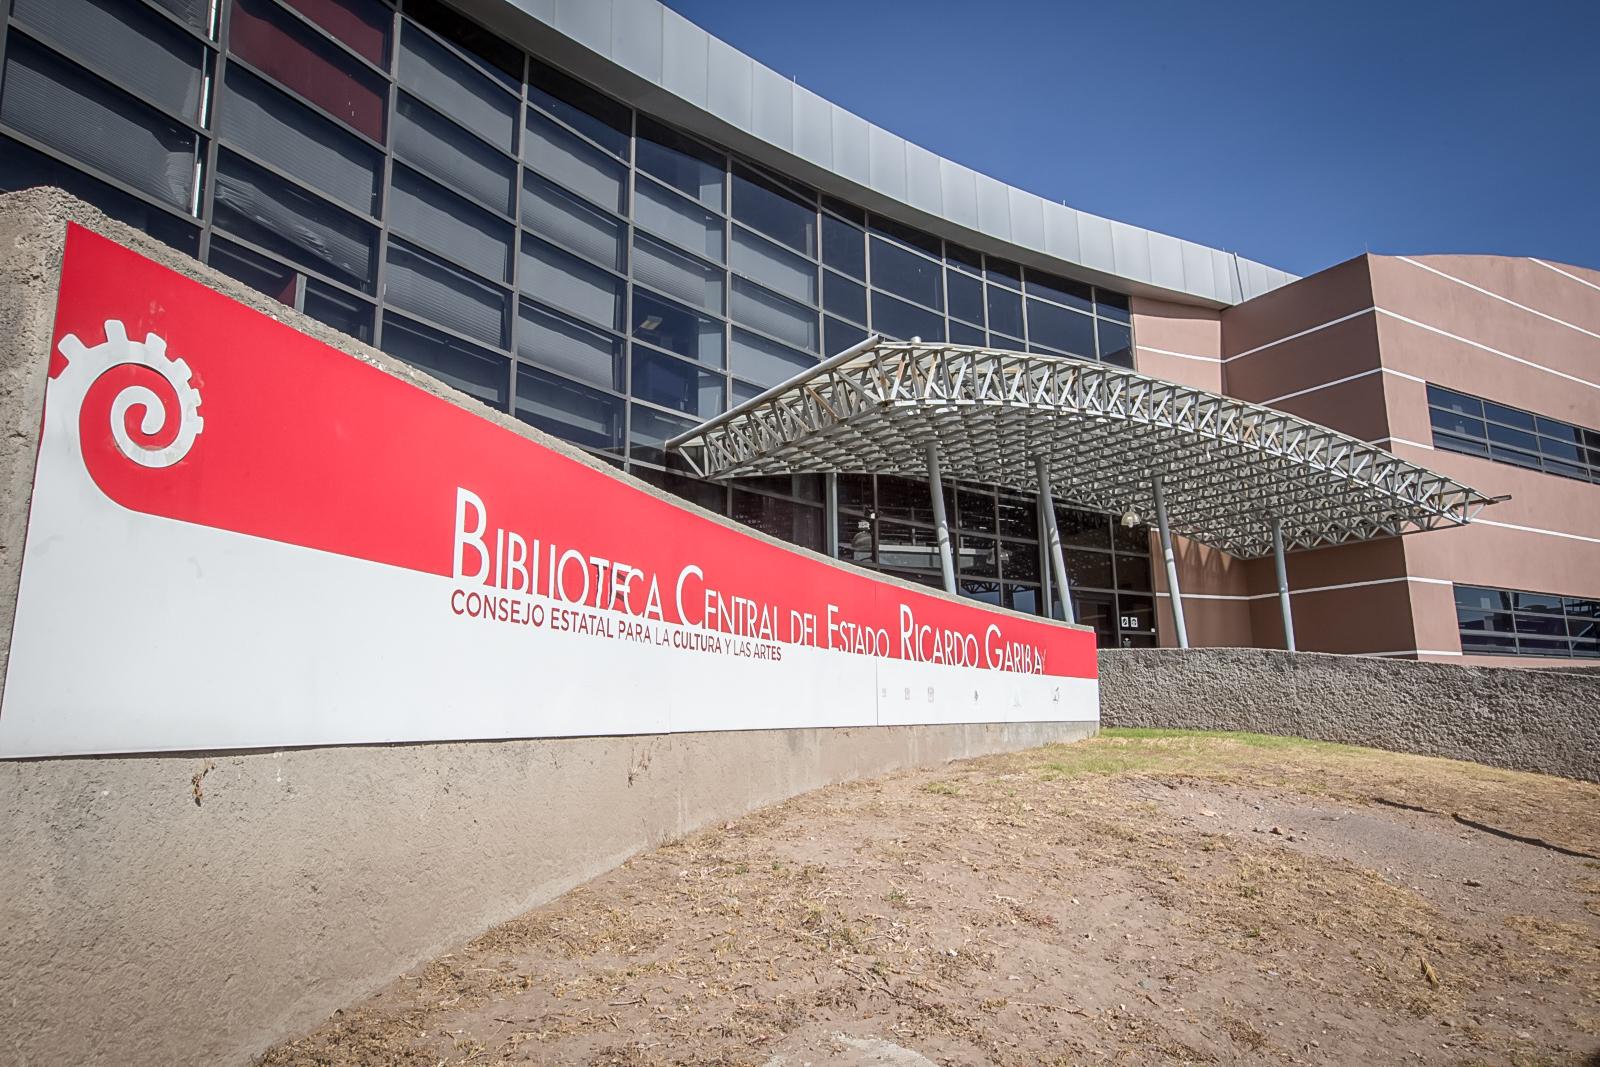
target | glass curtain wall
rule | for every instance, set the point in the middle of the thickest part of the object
(411, 179)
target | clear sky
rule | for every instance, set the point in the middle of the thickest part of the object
(1295, 132)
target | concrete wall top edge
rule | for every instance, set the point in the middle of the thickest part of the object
(692, 78)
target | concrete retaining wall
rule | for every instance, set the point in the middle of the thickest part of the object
(193, 909)
(1520, 719)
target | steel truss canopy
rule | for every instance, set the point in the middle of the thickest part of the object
(1229, 468)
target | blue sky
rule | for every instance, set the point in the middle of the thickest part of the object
(1296, 132)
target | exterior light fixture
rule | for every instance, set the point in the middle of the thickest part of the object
(1130, 518)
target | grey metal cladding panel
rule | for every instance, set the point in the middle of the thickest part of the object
(994, 207)
(852, 146)
(1061, 231)
(887, 162)
(1197, 275)
(684, 57)
(636, 30)
(1027, 218)
(1166, 261)
(1222, 271)
(813, 127)
(1130, 250)
(728, 83)
(1094, 243)
(959, 188)
(772, 111)
(586, 21)
(923, 189)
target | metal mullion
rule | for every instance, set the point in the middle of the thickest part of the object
(631, 187)
(5, 24)
(325, 35)
(519, 137)
(316, 109)
(219, 67)
(60, 50)
(155, 9)
(380, 276)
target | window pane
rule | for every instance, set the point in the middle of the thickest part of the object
(312, 234)
(650, 431)
(1061, 290)
(23, 168)
(1005, 312)
(363, 24)
(568, 410)
(1017, 517)
(500, 59)
(683, 163)
(443, 294)
(962, 334)
(1060, 329)
(789, 274)
(1090, 570)
(841, 296)
(910, 235)
(1558, 430)
(1451, 401)
(1505, 435)
(838, 335)
(193, 12)
(765, 362)
(673, 273)
(1002, 272)
(274, 43)
(1083, 528)
(763, 206)
(345, 313)
(1019, 560)
(1510, 416)
(564, 281)
(456, 88)
(678, 220)
(966, 297)
(1466, 446)
(127, 45)
(1133, 572)
(896, 318)
(445, 223)
(843, 247)
(1542, 603)
(672, 383)
(473, 371)
(571, 223)
(770, 313)
(906, 274)
(593, 114)
(1116, 343)
(1112, 305)
(258, 272)
(976, 556)
(1454, 422)
(443, 150)
(57, 103)
(783, 519)
(677, 329)
(570, 347)
(267, 123)
(582, 168)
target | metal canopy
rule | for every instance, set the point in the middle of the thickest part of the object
(1229, 467)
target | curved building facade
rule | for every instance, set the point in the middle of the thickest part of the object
(598, 217)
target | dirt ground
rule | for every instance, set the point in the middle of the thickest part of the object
(1146, 896)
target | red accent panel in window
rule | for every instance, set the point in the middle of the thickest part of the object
(363, 26)
(265, 37)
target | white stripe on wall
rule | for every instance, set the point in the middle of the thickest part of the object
(1567, 274)
(1341, 381)
(1492, 351)
(1399, 441)
(1302, 333)
(1413, 652)
(1310, 589)
(1537, 530)
(1179, 355)
(1497, 296)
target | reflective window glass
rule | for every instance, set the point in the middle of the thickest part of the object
(1112, 305)
(681, 162)
(906, 274)
(1060, 329)
(334, 307)
(650, 430)
(593, 114)
(446, 295)
(843, 247)
(1061, 290)
(258, 272)
(126, 44)
(676, 274)
(966, 297)
(903, 321)
(312, 234)
(438, 147)
(569, 347)
(562, 280)
(1116, 343)
(363, 25)
(457, 88)
(1005, 311)
(962, 334)
(672, 383)
(761, 309)
(841, 296)
(568, 410)
(764, 206)
(677, 329)
(271, 40)
(479, 374)
(572, 223)
(778, 269)
(437, 219)
(679, 220)
(578, 166)
(763, 362)
(838, 335)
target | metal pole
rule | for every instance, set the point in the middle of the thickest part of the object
(947, 564)
(830, 512)
(1283, 583)
(1173, 592)
(1058, 563)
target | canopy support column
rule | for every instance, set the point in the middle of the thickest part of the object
(1058, 564)
(830, 513)
(947, 564)
(1283, 583)
(1173, 592)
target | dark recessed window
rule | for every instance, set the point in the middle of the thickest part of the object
(906, 274)
(1060, 329)
(1504, 622)
(1061, 290)
(966, 297)
(910, 235)
(500, 57)
(1477, 427)
(685, 164)
(903, 321)
(767, 207)
(1005, 312)
(843, 247)
(591, 113)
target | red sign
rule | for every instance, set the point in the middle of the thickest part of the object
(238, 433)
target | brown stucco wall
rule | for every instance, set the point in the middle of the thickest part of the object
(194, 908)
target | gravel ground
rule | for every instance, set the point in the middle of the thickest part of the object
(1146, 896)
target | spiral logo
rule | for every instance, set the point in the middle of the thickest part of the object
(153, 408)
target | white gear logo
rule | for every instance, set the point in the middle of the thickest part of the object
(85, 365)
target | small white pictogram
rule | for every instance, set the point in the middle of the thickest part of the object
(86, 364)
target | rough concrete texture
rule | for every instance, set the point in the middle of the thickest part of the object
(1542, 721)
(193, 909)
